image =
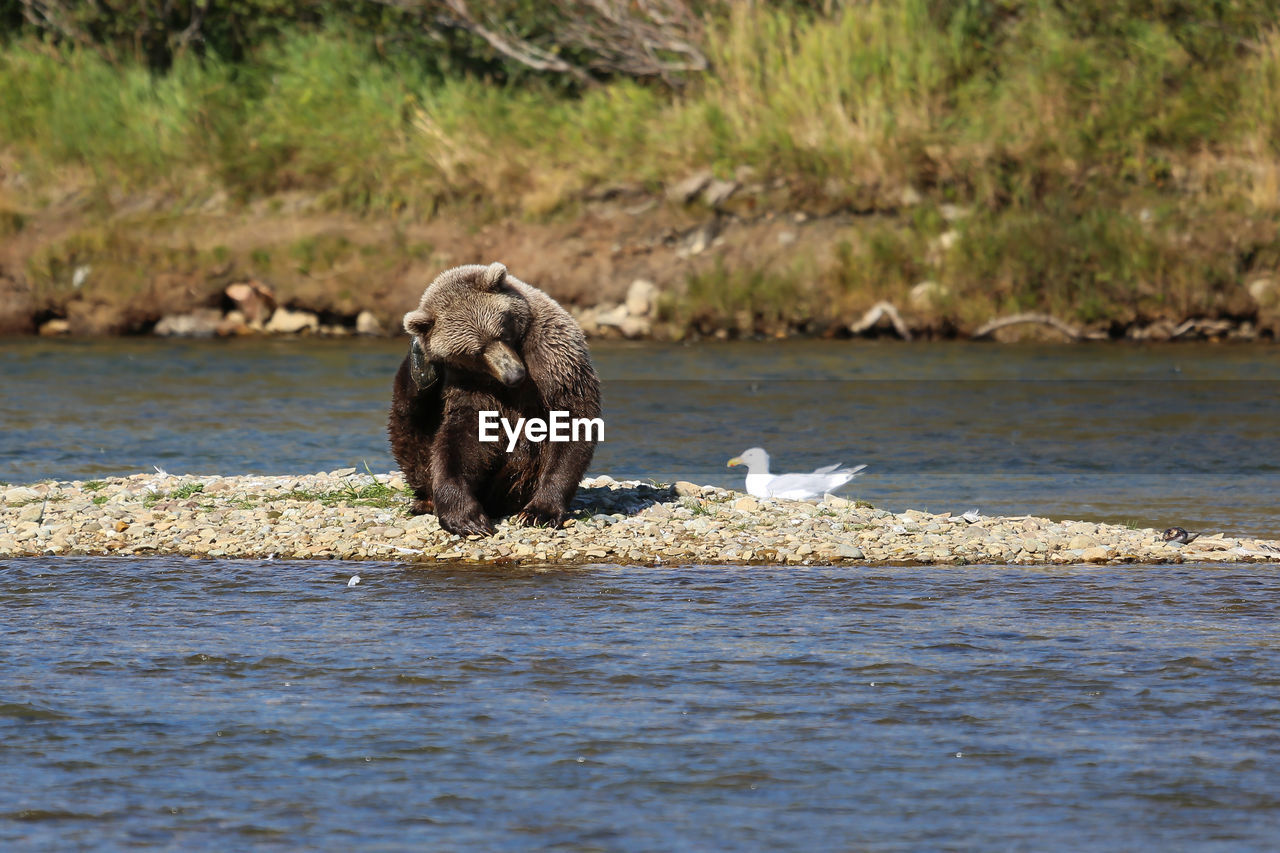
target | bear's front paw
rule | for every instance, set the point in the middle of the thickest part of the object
(474, 524)
(422, 506)
(537, 514)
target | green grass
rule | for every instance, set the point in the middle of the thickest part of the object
(185, 491)
(758, 300)
(886, 94)
(1109, 160)
(373, 494)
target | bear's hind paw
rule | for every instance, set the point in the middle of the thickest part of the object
(540, 516)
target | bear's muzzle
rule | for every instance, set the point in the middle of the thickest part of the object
(504, 363)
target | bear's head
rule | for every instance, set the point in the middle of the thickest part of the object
(472, 318)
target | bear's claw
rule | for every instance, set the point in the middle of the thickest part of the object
(474, 526)
(536, 516)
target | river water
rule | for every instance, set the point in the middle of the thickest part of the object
(222, 705)
(184, 705)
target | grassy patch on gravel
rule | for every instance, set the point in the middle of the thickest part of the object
(373, 494)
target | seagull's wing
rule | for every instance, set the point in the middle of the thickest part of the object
(836, 479)
(796, 487)
(799, 487)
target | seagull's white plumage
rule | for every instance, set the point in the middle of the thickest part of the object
(791, 487)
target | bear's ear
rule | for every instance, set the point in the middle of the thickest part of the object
(493, 276)
(417, 323)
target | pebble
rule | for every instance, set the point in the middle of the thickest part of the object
(256, 517)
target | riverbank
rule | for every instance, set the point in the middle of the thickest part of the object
(347, 515)
(879, 169)
(636, 266)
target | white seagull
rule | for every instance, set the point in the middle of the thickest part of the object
(791, 487)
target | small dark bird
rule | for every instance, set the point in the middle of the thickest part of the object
(1179, 535)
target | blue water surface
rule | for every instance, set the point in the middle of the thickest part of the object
(178, 704)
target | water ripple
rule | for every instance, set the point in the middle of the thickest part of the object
(175, 703)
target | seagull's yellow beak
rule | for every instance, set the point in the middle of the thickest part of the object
(737, 460)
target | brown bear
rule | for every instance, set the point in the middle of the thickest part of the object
(484, 341)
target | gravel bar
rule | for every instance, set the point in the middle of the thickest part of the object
(350, 515)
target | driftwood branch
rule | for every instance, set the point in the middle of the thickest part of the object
(636, 38)
(193, 32)
(53, 16)
(878, 312)
(1018, 319)
(640, 38)
(514, 47)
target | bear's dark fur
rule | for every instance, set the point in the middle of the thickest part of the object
(483, 340)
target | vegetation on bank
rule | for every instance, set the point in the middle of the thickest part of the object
(1101, 161)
